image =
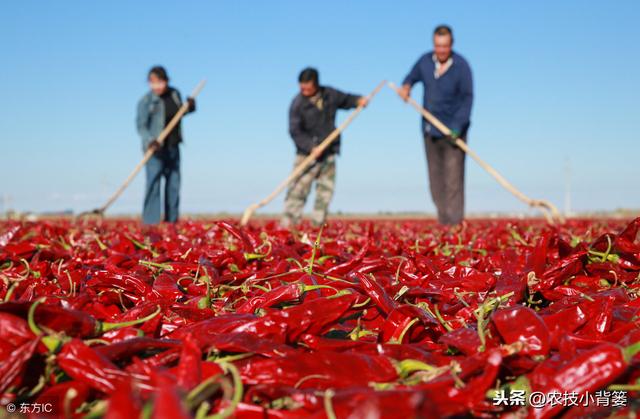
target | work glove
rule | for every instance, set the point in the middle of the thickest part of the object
(192, 104)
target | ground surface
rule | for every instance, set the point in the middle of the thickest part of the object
(384, 318)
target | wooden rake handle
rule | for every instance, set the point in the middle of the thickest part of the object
(309, 160)
(549, 210)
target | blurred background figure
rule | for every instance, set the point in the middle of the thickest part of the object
(448, 95)
(312, 117)
(155, 109)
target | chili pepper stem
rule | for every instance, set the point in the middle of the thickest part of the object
(316, 246)
(97, 410)
(408, 366)
(201, 391)
(201, 413)
(151, 264)
(71, 394)
(340, 293)
(238, 391)
(441, 319)
(230, 358)
(624, 387)
(404, 332)
(631, 351)
(309, 377)
(10, 291)
(481, 334)
(41, 382)
(328, 406)
(367, 301)
(105, 327)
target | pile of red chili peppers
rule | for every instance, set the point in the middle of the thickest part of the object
(362, 319)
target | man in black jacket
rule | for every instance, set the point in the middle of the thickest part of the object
(312, 118)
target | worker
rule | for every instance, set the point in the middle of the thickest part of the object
(155, 110)
(448, 95)
(312, 117)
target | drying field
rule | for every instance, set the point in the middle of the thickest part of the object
(364, 319)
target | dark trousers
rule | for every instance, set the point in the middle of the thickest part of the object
(445, 162)
(165, 163)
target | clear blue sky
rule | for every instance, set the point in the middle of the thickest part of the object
(554, 81)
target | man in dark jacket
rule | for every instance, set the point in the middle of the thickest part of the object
(155, 109)
(312, 118)
(448, 95)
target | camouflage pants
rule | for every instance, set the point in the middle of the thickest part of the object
(324, 174)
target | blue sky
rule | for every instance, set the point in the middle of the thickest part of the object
(555, 81)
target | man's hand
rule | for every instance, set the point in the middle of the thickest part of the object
(454, 135)
(154, 145)
(192, 104)
(405, 92)
(363, 101)
(315, 152)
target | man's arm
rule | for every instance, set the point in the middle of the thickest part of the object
(414, 76)
(463, 113)
(348, 101)
(302, 140)
(142, 124)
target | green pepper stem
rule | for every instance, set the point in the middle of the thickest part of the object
(151, 264)
(631, 351)
(441, 319)
(105, 327)
(200, 390)
(328, 406)
(316, 246)
(238, 391)
(405, 330)
(31, 318)
(624, 387)
(307, 288)
(407, 366)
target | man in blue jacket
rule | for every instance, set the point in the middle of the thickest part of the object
(448, 95)
(155, 109)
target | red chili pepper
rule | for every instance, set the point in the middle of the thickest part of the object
(13, 365)
(86, 365)
(522, 324)
(123, 403)
(167, 403)
(465, 339)
(137, 346)
(320, 370)
(589, 371)
(367, 403)
(68, 395)
(14, 330)
(189, 370)
(248, 242)
(289, 293)
(238, 342)
(376, 292)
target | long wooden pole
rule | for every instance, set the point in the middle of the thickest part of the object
(308, 161)
(549, 210)
(147, 155)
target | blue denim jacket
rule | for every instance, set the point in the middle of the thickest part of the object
(150, 116)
